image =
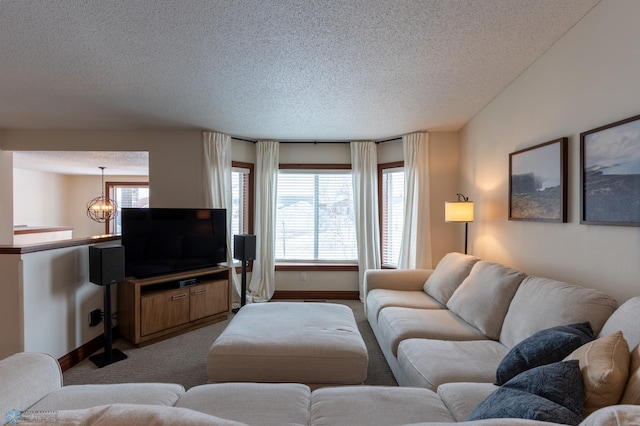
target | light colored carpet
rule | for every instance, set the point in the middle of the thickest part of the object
(182, 359)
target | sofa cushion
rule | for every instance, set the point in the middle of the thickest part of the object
(544, 347)
(398, 324)
(632, 390)
(605, 370)
(625, 319)
(379, 298)
(541, 303)
(483, 297)
(252, 403)
(616, 415)
(449, 273)
(461, 398)
(551, 392)
(84, 396)
(376, 405)
(428, 363)
(130, 414)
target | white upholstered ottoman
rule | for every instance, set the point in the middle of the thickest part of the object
(317, 344)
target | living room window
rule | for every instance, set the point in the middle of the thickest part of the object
(314, 219)
(241, 198)
(126, 194)
(391, 199)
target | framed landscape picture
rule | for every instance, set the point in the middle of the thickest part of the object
(610, 174)
(538, 182)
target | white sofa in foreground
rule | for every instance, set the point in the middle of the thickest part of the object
(32, 392)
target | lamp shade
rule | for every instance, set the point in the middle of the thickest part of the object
(458, 211)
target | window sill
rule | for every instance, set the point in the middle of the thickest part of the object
(310, 266)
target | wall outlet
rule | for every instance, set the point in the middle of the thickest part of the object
(303, 276)
(95, 317)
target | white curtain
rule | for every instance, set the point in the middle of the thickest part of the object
(415, 251)
(263, 281)
(364, 164)
(217, 186)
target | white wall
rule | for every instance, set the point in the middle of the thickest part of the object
(175, 156)
(443, 171)
(11, 305)
(6, 196)
(52, 199)
(331, 153)
(57, 300)
(40, 198)
(589, 78)
(243, 151)
(46, 301)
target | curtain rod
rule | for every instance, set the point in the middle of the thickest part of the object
(318, 142)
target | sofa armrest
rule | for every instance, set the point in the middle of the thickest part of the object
(27, 377)
(395, 279)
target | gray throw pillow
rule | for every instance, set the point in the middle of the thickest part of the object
(549, 393)
(544, 347)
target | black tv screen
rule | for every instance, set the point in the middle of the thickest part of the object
(164, 240)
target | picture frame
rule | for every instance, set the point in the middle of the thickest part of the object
(610, 174)
(538, 182)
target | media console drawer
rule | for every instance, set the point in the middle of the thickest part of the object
(151, 309)
(208, 299)
(163, 309)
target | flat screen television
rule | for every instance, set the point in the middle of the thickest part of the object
(161, 241)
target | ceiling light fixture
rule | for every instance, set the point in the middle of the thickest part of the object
(102, 209)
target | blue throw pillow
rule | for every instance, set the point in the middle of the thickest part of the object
(550, 393)
(543, 347)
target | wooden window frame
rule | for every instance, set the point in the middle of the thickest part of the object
(249, 215)
(109, 187)
(382, 206)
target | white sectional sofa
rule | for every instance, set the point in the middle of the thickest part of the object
(455, 323)
(445, 332)
(449, 329)
(32, 393)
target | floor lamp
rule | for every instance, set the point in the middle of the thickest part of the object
(460, 211)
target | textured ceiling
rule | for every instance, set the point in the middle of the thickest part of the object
(281, 69)
(84, 162)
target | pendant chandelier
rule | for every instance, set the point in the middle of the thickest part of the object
(102, 209)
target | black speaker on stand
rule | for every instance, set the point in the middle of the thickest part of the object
(244, 249)
(106, 267)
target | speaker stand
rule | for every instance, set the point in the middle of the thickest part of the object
(243, 287)
(109, 356)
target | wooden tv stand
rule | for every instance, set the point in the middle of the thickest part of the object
(152, 309)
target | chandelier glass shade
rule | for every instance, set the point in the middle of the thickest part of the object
(102, 209)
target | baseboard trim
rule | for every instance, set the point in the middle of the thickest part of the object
(79, 354)
(315, 295)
